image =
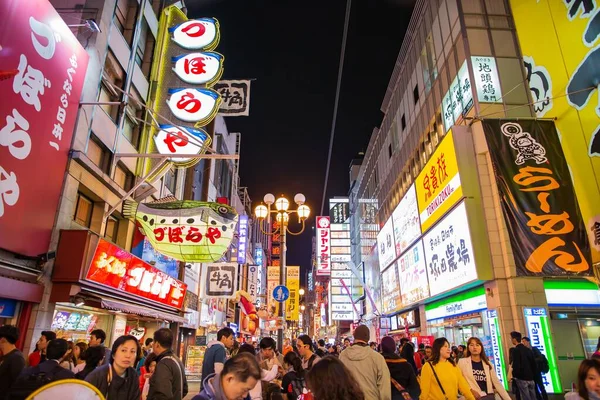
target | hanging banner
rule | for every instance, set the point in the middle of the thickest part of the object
(253, 281)
(219, 281)
(272, 283)
(323, 246)
(235, 96)
(542, 216)
(292, 282)
(497, 356)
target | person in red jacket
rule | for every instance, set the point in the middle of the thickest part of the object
(145, 373)
(39, 355)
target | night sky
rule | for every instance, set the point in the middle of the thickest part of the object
(292, 51)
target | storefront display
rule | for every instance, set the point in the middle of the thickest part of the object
(390, 290)
(412, 269)
(385, 245)
(407, 226)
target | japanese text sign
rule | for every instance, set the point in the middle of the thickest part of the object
(385, 244)
(497, 356)
(413, 275)
(407, 226)
(449, 252)
(390, 290)
(438, 185)
(487, 81)
(292, 305)
(219, 280)
(253, 281)
(339, 211)
(458, 99)
(116, 268)
(323, 247)
(272, 283)
(235, 96)
(545, 226)
(40, 98)
(242, 238)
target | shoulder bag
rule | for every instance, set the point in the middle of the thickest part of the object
(438, 379)
(401, 389)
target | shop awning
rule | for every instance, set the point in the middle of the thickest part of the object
(143, 311)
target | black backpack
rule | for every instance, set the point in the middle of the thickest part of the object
(297, 386)
(27, 384)
(542, 363)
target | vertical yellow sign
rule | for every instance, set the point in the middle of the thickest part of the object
(272, 283)
(292, 304)
(560, 49)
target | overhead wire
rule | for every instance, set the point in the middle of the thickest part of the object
(337, 101)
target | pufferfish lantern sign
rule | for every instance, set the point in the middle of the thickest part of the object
(190, 231)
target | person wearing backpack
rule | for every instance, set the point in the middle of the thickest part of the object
(402, 375)
(293, 383)
(543, 367)
(168, 382)
(33, 378)
(305, 346)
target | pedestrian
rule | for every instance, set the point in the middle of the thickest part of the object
(441, 379)
(92, 357)
(287, 346)
(147, 371)
(421, 353)
(333, 351)
(428, 353)
(373, 346)
(12, 361)
(329, 379)
(597, 352)
(305, 346)
(117, 379)
(238, 376)
(402, 375)
(542, 366)
(68, 361)
(524, 369)
(408, 353)
(33, 378)
(216, 355)
(97, 338)
(367, 366)
(346, 344)
(479, 372)
(148, 346)
(78, 351)
(588, 381)
(256, 393)
(293, 382)
(168, 382)
(321, 350)
(39, 355)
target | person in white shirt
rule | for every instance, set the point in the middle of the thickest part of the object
(265, 375)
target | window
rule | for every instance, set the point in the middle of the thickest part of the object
(145, 49)
(123, 177)
(125, 16)
(112, 229)
(83, 211)
(113, 77)
(403, 122)
(134, 113)
(390, 152)
(98, 153)
(170, 180)
(416, 93)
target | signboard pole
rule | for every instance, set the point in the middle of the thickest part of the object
(282, 282)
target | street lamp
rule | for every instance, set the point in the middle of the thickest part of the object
(283, 211)
(301, 292)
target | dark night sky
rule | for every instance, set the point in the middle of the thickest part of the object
(292, 49)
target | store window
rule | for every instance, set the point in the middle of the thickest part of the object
(145, 49)
(98, 153)
(125, 17)
(113, 79)
(83, 211)
(112, 229)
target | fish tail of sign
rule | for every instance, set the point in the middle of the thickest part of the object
(130, 209)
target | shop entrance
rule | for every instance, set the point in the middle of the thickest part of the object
(458, 330)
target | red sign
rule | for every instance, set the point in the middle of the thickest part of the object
(37, 116)
(120, 270)
(323, 247)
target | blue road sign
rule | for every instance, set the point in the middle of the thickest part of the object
(281, 293)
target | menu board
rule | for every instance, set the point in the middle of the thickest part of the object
(386, 245)
(72, 322)
(412, 273)
(60, 319)
(449, 252)
(193, 360)
(390, 290)
(84, 322)
(407, 226)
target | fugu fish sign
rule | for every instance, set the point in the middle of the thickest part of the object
(190, 231)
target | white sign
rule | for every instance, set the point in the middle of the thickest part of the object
(336, 273)
(486, 79)
(260, 284)
(385, 245)
(413, 275)
(193, 105)
(192, 277)
(496, 356)
(449, 252)
(196, 34)
(342, 316)
(253, 281)
(407, 227)
(390, 290)
(323, 247)
(219, 280)
(340, 242)
(171, 140)
(536, 320)
(199, 68)
(452, 308)
(458, 99)
(235, 96)
(341, 258)
(341, 307)
(242, 238)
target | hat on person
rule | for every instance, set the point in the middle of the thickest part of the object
(362, 333)
(388, 345)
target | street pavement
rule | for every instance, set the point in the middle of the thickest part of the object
(193, 389)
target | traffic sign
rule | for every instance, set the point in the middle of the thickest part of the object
(281, 293)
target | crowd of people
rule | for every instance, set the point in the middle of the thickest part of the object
(305, 370)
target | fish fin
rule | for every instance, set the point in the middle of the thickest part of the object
(130, 209)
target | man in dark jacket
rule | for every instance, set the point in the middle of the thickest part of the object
(12, 362)
(168, 381)
(540, 360)
(216, 353)
(33, 378)
(400, 370)
(524, 368)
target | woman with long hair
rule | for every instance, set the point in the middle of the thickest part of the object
(479, 372)
(440, 377)
(78, 351)
(239, 375)
(69, 361)
(92, 357)
(149, 367)
(329, 379)
(117, 379)
(408, 353)
(401, 372)
(333, 351)
(294, 374)
(588, 381)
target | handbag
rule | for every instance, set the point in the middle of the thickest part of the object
(401, 389)
(437, 379)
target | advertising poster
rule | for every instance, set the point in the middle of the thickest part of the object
(438, 185)
(449, 252)
(323, 246)
(219, 280)
(390, 290)
(496, 356)
(272, 283)
(385, 245)
(544, 223)
(292, 282)
(458, 100)
(407, 227)
(413, 275)
(560, 59)
(538, 330)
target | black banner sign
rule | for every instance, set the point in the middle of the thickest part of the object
(545, 226)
